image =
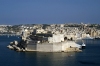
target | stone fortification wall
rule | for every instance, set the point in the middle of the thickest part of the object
(56, 38)
(47, 47)
(71, 44)
(31, 47)
(57, 47)
(51, 47)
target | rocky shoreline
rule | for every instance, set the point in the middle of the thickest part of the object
(17, 46)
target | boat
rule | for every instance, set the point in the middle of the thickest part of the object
(83, 46)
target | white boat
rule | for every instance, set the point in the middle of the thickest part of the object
(83, 46)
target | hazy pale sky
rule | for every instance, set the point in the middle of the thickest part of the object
(49, 11)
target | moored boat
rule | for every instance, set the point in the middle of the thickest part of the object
(83, 46)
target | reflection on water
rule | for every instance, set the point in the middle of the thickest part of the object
(88, 63)
(52, 59)
(63, 59)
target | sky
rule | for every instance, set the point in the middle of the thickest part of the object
(49, 11)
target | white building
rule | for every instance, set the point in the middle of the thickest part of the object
(56, 38)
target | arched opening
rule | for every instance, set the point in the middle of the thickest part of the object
(71, 38)
(65, 38)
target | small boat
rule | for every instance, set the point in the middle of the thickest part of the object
(83, 46)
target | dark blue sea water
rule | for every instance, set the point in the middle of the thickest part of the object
(88, 57)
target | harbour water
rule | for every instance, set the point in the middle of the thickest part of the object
(88, 57)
